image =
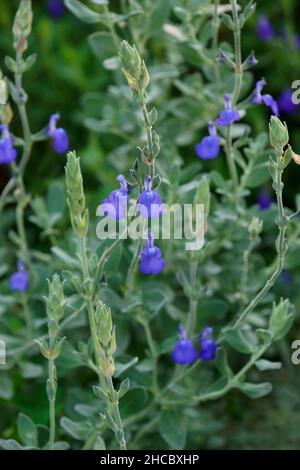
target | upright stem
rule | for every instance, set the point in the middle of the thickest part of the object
(105, 383)
(130, 279)
(215, 42)
(238, 53)
(117, 417)
(230, 158)
(148, 128)
(193, 302)
(281, 250)
(51, 371)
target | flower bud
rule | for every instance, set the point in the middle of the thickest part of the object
(107, 366)
(279, 134)
(55, 299)
(255, 228)
(281, 319)
(22, 25)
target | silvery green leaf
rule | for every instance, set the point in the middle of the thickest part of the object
(10, 444)
(99, 2)
(100, 393)
(10, 64)
(124, 387)
(99, 444)
(77, 429)
(227, 20)
(239, 341)
(27, 430)
(264, 364)
(6, 387)
(172, 428)
(256, 390)
(83, 13)
(61, 445)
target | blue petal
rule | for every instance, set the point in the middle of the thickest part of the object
(208, 148)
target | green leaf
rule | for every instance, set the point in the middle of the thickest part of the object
(256, 390)
(84, 13)
(264, 364)
(6, 387)
(222, 363)
(29, 370)
(159, 15)
(172, 428)
(65, 257)
(56, 198)
(99, 444)
(134, 401)
(78, 429)
(10, 444)
(227, 20)
(102, 44)
(61, 445)
(124, 387)
(237, 339)
(27, 430)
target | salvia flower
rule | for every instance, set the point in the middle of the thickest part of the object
(209, 147)
(150, 204)
(115, 205)
(56, 8)
(60, 139)
(208, 346)
(266, 99)
(184, 351)
(8, 153)
(264, 200)
(151, 261)
(19, 281)
(264, 29)
(229, 115)
(285, 102)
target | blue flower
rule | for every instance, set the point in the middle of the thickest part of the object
(229, 115)
(19, 281)
(184, 351)
(56, 8)
(115, 205)
(264, 29)
(266, 99)
(285, 103)
(8, 153)
(58, 134)
(264, 200)
(151, 258)
(209, 147)
(208, 345)
(150, 204)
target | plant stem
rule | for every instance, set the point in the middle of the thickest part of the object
(193, 302)
(215, 42)
(245, 272)
(105, 383)
(52, 379)
(281, 250)
(130, 279)
(230, 158)
(120, 436)
(238, 53)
